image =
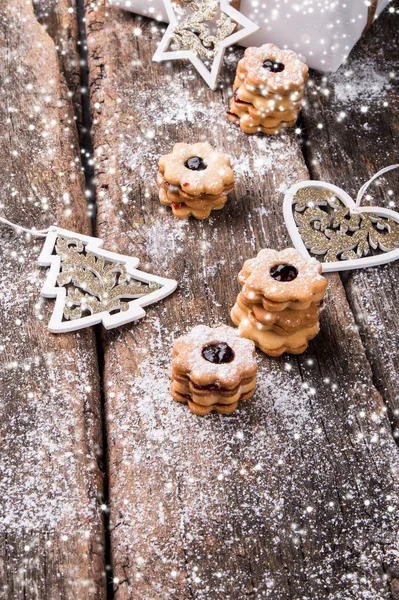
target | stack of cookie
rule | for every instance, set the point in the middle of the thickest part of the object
(280, 302)
(194, 179)
(213, 369)
(268, 90)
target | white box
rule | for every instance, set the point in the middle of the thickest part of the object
(322, 31)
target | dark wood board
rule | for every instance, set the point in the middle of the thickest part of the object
(51, 533)
(359, 136)
(293, 496)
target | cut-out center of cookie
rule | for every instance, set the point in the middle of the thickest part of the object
(195, 163)
(284, 273)
(218, 353)
(273, 67)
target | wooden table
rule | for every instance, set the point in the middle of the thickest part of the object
(108, 487)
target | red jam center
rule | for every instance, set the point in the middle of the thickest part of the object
(273, 67)
(284, 273)
(195, 163)
(218, 353)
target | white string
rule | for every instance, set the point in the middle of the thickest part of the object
(34, 232)
(364, 187)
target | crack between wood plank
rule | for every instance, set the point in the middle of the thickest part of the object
(86, 148)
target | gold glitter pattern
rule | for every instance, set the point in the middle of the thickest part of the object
(93, 284)
(330, 230)
(199, 32)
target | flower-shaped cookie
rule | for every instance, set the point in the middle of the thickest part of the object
(283, 322)
(269, 341)
(197, 169)
(212, 369)
(270, 69)
(282, 277)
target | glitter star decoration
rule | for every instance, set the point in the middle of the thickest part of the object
(200, 31)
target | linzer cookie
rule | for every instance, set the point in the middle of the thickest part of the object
(280, 302)
(194, 179)
(213, 369)
(268, 90)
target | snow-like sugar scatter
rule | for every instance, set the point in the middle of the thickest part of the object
(45, 473)
(361, 81)
(155, 110)
(252, 458)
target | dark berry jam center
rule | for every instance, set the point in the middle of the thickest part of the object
(284, 273)
(195, 163)
(274, 67)
(218, 353)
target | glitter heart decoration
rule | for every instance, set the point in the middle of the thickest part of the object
(325, 222)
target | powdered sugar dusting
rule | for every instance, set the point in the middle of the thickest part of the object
(49, 458)
(287, 492)
(360, 82)
(202, 472)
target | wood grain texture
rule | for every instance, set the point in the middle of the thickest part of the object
(359, 136)
(51, 535)
(296, 494)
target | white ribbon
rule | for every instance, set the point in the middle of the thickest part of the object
(34, 232)
(364, 187)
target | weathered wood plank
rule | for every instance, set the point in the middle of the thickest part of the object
(51, 535)
(359, 136)
(294, 495)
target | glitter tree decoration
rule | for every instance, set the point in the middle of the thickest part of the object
(92, 285)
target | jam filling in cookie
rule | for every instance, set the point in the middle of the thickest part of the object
(218, 353)
(238, 100)
(284, 273)
(195, 163)
(273, 67)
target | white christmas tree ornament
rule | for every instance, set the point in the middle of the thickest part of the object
(92, 285)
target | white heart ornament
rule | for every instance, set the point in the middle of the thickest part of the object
(334, 231)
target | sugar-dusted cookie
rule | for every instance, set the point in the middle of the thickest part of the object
(213, 369)
(280, 302)
(272, 70)
(284, 277)
(268, 340)
(283, 322)
(268, 89)
(194, 179)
